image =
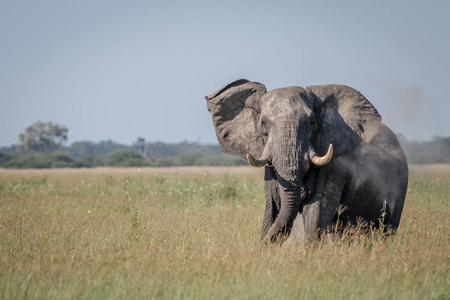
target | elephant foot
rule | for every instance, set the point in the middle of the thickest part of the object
(297, 234)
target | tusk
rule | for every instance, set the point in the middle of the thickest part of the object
(321, 161)
(256, 162)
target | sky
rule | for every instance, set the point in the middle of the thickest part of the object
(125, 69)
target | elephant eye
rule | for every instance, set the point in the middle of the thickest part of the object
(264, 127)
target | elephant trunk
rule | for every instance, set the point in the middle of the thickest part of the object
(290, 188)
(291, 164)
(292, 160)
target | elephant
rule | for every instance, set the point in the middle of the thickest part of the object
(327, 155)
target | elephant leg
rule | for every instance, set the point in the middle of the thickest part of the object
(318, 213)
(273, 200)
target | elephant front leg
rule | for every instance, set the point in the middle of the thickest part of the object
(319, 212)
(273, 200)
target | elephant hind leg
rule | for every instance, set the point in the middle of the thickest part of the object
(398, 194)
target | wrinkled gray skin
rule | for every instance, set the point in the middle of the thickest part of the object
(288, 127)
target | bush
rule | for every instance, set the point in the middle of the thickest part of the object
(92, 161)
(43, 160)
(161, 162)
(119, 158)
(126, 158)
(4, 158)
(220, 160)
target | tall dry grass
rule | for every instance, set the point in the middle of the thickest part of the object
(194, 233)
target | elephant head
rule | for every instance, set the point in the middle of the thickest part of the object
(290, 130)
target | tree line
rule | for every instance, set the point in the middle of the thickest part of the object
(429, 152)
(42, 146)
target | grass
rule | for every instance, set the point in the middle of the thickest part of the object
(181, 233)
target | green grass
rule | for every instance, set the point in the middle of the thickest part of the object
(189, 233)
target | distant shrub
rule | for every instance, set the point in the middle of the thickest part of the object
(220, 160)
(126, 158)
(118, 158)
(161, 162)
(4, 158)
(92, 161)
(207, 159)
(43, 160)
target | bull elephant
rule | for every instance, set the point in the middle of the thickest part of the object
(323, 147)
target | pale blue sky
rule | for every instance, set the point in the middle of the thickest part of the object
(122, 69)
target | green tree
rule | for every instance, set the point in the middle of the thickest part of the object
(43, 136)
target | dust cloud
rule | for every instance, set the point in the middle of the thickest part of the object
(410, 110)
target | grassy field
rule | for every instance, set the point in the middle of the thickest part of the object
(181, 233)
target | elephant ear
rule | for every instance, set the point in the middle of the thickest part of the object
(235, 110)
(345, 117)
